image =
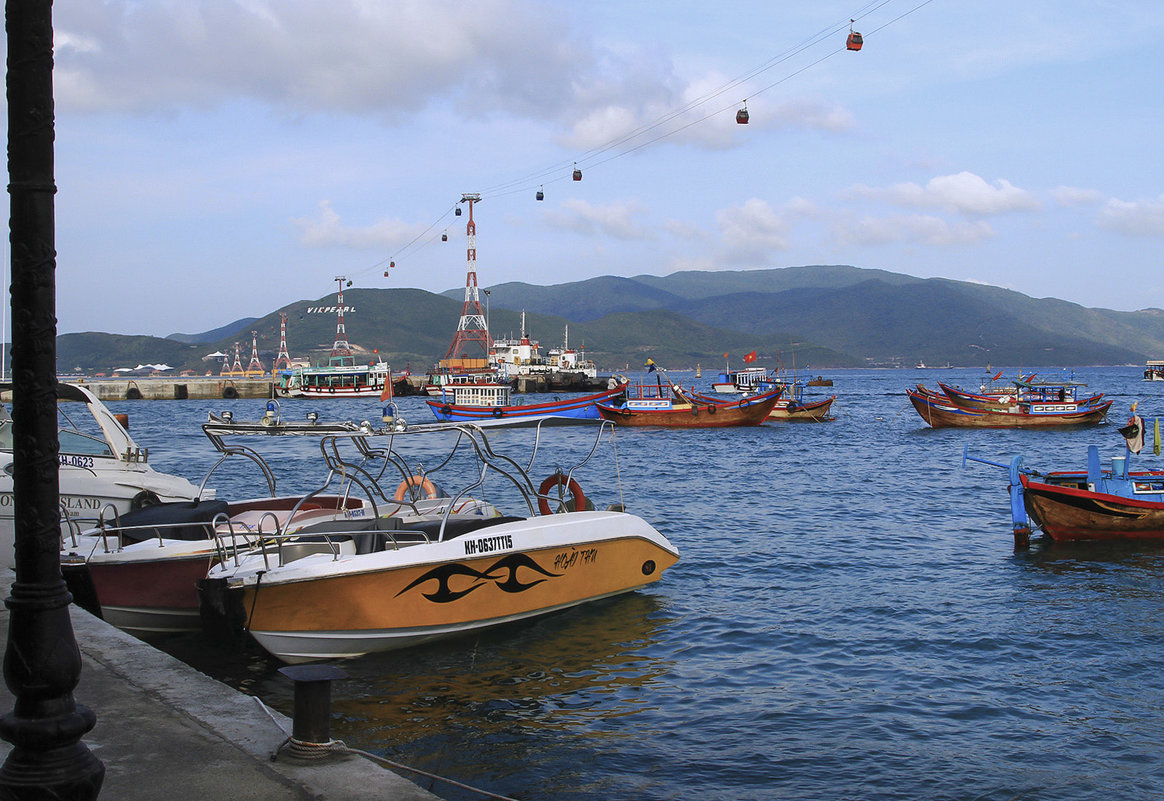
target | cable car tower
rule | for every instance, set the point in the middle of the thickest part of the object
(341, 352)
(255, 368)
(472, 327)
(284, 358)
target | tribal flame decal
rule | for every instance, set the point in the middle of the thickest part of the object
(507, 566)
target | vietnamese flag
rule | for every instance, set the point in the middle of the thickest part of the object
(751, 357)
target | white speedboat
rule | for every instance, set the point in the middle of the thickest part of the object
(100, 466)
(396, 583)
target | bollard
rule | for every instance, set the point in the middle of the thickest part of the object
(311, 722)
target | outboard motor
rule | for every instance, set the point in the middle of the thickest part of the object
(221, 609)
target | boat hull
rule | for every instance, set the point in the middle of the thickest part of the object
(419, 593)
(1068, 514)
(151, 596)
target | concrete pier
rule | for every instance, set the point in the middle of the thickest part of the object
(192, 388)
(164, 729)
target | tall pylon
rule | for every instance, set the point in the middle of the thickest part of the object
(237, 369)
(255, 367)
(472, 327)
(284, 358)
(341, 352)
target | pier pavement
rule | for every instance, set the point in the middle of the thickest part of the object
(163, 729)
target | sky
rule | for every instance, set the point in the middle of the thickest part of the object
(220, 159)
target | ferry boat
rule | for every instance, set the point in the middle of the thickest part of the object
(341, 377)
(1154, 370)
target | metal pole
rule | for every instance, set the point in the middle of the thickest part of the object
(42, 663)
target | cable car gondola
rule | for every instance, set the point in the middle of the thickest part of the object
(742, 115)
(854, 41)
(457, 211)
(540, 195)
(444, 236)
(577, 172)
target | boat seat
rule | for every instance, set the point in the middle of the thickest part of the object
(456, 526)
(367, 535)
(178, 520)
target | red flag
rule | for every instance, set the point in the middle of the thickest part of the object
(751, 357)
(386, 395)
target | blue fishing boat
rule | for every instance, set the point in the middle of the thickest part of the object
(491, 404)
(1098, 503)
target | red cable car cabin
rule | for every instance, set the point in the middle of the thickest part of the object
(855, 41)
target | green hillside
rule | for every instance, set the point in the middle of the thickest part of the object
(824, 316)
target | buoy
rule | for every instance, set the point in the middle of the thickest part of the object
(854, 41)
(422, 484)
(563, 480)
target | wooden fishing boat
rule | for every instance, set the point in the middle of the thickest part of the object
(790, 407)
(1098, 503)
(418, 580)
(491, 404)
(667, 405)
(939, 411)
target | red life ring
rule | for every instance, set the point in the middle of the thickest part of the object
(556, 480)
(429, 489)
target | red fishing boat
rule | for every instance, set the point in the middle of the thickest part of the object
(666, 405)
(940, 411)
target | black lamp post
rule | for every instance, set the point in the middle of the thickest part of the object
(42, 663)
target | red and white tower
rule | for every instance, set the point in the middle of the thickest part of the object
(255, 367)
(237, 369)
(341, 352)
(284, 358)
(472, 327)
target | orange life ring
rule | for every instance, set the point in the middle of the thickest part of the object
(430, 490)
(556, 480)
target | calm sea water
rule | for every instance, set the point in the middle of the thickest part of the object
(849, 620)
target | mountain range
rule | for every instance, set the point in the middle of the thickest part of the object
(819, 316)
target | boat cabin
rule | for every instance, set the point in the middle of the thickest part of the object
(480, 395)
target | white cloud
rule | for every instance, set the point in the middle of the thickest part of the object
(911, 229)
(1137, 218)
(752, 231)
(348, 56)
(615, 220)
(964, 193)
(1074, 196)
(329, 231)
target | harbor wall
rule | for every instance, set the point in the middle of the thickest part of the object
(193, 388)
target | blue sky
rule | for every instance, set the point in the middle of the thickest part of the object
(221, 159)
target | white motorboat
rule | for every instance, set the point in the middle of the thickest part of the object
(100, 466)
